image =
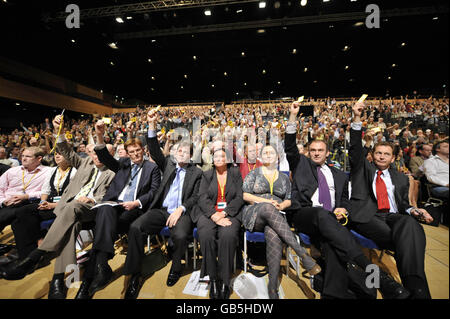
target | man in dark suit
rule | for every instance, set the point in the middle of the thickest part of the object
(134, 186)
(381, 210)
(171, 206)
(322, 192)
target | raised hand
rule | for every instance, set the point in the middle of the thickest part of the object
(357, 110)
(57, 121)
(100, 128)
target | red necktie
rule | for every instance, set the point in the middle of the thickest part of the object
(382, 195)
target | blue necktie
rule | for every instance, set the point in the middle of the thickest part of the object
(324, 190)
(129, 194)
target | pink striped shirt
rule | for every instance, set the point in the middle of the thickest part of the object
(11, 182)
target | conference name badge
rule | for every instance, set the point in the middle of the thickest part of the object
(56, 199)
(221, 205)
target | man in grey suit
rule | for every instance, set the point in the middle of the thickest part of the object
(87, 187)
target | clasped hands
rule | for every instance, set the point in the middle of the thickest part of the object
(15, 199)
(341, 213)
(220, 219)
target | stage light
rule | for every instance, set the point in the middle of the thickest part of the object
(207, 12)
(346, 48)
(150, 61)
(153, 78)
(185, 76)
(112, 63)
(195, 58)
(346, 67)
(389, 78)
(245, 83)
(303, 3)
(225, 74)
(394, 65)
(113, 45)
(119, 20)
(73, 41)
(294, 51)
(264, 72)
(262, 4)
(213, 86)
(243, 53)
(403, 44)
(305, 70)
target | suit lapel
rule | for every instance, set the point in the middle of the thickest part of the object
(187, 178)
(101, 180)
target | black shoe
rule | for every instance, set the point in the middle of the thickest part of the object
(317, 283)
(224, 292)
(133, 287)
(4, 248)
(5, 260)
(58, 289)
(357, 283)
(18, 270)
(214, 289)
(103, 275)
(83, 292)
(173, 278)
(390, 289)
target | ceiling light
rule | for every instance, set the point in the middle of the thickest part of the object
(73, 41)
(315, 81)
(245, 83)
(358, 24)
(153, 78)
(389, 78)
(239, 11)
(119, 20)
(271, 92)
(195, 58)
(17, 104)
(152, 89)
(153, 40)
(185, 76)
(435, 18)
(237, 93)
(261, 31)
(129, 18)
(243, 53)
(262, 4)
(225, 73)
(294, 51)
(326, 0)
(113, 45)
(264, 72)
(182, 87)
(207, 12)
(150, 61)
(303, 3)
(101, 91)
(346, 67)
(403, 44)
(305, 70)
(112, 63)
(394, 65)
(279, 82)
(346, 48)
(212, 85)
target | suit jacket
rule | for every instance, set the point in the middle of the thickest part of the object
(191, 184)
(84, 168)
(148, 183)
(305, 180)
(209, 193)
(364, 202)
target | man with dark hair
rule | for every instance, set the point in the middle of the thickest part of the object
(381, 210)
(319, 201)
(171, 206)
(134, 186)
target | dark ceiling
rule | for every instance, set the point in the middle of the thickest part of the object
(420, 65)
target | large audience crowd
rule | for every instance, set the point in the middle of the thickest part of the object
(217, 167)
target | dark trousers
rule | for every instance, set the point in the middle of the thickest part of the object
(8, 214)
(109, 222)
(218, 245)
(338, 246)
(27, 227)
(151, 223)
(405, 236)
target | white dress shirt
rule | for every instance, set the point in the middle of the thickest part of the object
(436, 170)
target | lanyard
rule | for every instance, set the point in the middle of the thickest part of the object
(60, 179)
(25, 186)
(251, 169)
(271, 181)
(135, 174)
(222, 188)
